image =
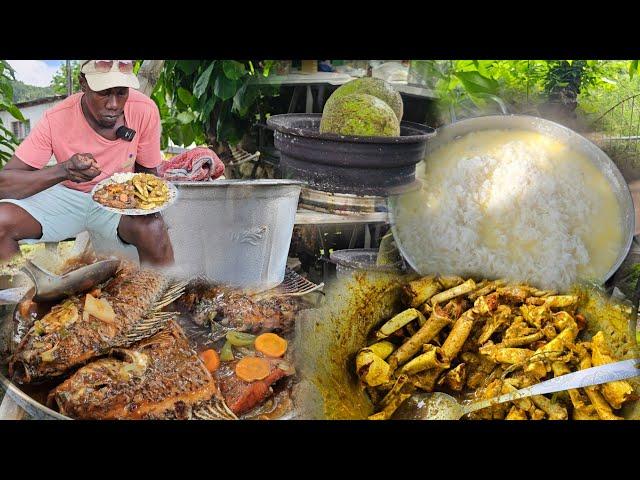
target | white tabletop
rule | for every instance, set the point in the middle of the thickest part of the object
(298, 78)
(334, 78)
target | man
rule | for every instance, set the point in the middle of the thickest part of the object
(52, 204)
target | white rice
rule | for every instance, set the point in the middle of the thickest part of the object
(514, 205)
(122, 177)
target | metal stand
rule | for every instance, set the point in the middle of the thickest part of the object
(371, 224)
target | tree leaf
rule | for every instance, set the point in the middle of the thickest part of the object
(208, 107)
(225, 88)
(188, 135)
(633, 68)
(7, 90)
(226, 129)
(15, 112)
(186, 117)
(185, 96)
(475, 82)
(203, 81)
(245, 98)
(188, 66)
(233, 69)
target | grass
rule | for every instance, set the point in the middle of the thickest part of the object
(26, 252)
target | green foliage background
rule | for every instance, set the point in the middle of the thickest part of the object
(211, 101)
(7, 139)
(59, 80)
(24, 93)
(520, 86)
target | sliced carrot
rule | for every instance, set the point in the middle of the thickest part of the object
(211, 359)
(250, 369)
(271, 345)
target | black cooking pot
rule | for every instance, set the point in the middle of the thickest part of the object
(348, 164)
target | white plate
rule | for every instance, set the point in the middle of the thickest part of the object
(123, 178)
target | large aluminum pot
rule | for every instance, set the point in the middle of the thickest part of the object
(35, 409)
(619, 186)
(235, 232)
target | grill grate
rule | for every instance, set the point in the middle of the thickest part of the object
(294, 285)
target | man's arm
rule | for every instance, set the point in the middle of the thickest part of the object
(19, 180)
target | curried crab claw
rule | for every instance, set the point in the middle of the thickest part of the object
(454, 292)
(419, 291)
(448, 282)
(535, 316)
(372, 369)
(498, 319)
(437, 321)
(382, 349)
(432, 358)
(399, 321)
(561, 301)
(486, 289)
(616, 392)
(397, 395)
(456, 378)
(510, 355)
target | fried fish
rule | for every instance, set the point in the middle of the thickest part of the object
(237, 310)
(84, 327)
(160, 377)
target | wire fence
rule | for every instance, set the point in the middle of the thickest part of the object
(617, 132)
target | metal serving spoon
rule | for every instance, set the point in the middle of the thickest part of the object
(53, 287)
(440, 406)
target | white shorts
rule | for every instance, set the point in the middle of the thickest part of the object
(63, 213)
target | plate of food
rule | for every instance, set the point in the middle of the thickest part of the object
(134, 193)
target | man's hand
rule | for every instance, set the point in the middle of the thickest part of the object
(81, 167)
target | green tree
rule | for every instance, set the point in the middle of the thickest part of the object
(212, 102)
(23, 92)
(8, 142)
(518, 86)
(59, 80)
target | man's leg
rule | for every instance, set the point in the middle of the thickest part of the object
(52, 215)
(15, 224)
(148, 233)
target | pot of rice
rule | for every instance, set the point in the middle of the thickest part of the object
(515, 197)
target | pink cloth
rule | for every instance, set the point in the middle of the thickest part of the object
(199, 164)
(63, 131)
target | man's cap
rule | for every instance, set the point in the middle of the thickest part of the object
(104, 80)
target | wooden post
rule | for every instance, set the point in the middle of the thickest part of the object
(148, 75)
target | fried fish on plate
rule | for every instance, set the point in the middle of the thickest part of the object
(160, 377)
(87, 326)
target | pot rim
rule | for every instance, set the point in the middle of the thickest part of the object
(280, 124)
(264, 182)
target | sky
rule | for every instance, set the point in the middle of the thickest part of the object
(35, 72)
